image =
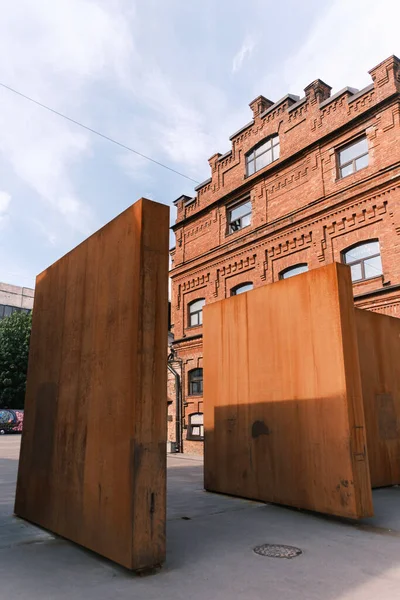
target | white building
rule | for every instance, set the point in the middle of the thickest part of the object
(15, 299)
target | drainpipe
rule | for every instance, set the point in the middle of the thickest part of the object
(178, 400)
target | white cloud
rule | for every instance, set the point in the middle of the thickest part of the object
(44, 230)
(62, 53)
(56, 51)
(134, 166)
(154, 77)
(5, 200)
(343, 45)
(180, 125)
(244, 52)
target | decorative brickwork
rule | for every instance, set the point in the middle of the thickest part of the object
(302, 211)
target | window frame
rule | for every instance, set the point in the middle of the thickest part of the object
(199, 313)
(240, 285)
(233, 206)
(189, 435)
(291, 268)
(195, 380)
(254, 156)
(11, 310)
(352, 162)
(361, 261)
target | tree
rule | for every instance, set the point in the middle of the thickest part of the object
(15, 332)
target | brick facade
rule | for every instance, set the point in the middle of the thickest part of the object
(302, 211)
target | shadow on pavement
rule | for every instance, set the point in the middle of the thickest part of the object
(210, 541)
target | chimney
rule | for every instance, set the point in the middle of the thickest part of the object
(213, 161)
(259, 104)
(180, 205)
(387, 73)
(317, 91)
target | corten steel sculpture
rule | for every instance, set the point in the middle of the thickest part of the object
(284, 419)
(379, 354)
(93, 454)
(297, 385)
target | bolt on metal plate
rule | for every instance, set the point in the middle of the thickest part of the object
(277, 551)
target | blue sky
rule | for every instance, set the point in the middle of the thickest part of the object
(170, 78)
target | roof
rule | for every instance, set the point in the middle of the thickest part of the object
(183, 197)
(202, 184)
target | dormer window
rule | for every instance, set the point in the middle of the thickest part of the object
(262, 155)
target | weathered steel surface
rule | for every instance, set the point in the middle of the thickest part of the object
(93, 453)
(284, 418)
(379, 352)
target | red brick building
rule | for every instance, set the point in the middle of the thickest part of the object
(307, 181)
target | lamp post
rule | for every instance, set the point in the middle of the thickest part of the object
(173, 358)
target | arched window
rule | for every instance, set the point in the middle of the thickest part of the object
(294, 270)
(262, 155)
(241, 288)
(196, 312)
(195, 430)
(195, 377)
(364, 260)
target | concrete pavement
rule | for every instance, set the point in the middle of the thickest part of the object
(210, 541)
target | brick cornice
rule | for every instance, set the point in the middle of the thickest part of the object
(191, 341)
(281, 228)
(274, 168)
(379, 292)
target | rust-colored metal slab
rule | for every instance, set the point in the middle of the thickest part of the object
(93, 454)
(284, 418)
(379, 352)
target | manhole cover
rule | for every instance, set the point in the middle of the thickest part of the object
(277, 551)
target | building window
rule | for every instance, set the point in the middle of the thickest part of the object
(195, 382)
(7, 311)
(240, 289)
(262, 155)
(195, 429)
(196, 312)
(353, 157)
(292, 271)
(239, 216)
(364, 260)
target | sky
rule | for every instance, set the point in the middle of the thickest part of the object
(171, 79)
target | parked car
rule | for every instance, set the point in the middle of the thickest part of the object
(11, 421)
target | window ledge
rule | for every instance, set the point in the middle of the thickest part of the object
(346, 177)
(192, 327)
(365, 282)
(229, 234)
(246, 176)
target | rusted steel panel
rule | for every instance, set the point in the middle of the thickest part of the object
(379, 351)
(93, 452)
(284, 418)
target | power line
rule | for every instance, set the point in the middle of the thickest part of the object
(95, 132)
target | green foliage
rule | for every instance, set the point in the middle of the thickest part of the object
(15, 332)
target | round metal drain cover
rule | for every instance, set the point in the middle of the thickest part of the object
(277, 551)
